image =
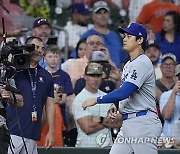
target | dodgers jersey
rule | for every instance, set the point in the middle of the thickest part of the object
(141, 73)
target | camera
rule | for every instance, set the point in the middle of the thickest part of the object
(19, 60)
(106, 69)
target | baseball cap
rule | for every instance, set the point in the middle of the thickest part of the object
(80, 8)
(100, 5)
(134, 29)
(177, 69)
(152, 43)
(41, 21)
(93, 68)
(169, 55)
(98, 56)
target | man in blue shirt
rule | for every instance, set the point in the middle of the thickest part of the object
(111, 40)
(36, 87)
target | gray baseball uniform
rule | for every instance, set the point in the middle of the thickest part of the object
(138, 133)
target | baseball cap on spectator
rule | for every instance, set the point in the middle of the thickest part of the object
(134, 29)
(177, 70)
(98, 56)
(152, 43)
(169, 55)
(41, 21)
(93, 68)
(80, 8)
(100, 5)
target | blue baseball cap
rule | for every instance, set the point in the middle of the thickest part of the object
(80, 8)
(135, 29)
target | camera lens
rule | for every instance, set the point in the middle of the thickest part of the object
(21, 61)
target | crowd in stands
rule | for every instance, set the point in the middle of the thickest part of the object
(92, 43)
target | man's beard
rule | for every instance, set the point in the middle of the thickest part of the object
(154, 62)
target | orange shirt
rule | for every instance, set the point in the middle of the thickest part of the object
(58, 128)
(153, 13)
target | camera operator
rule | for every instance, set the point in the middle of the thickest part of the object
(36, 86)
(6, 98)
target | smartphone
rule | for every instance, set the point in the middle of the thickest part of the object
(60, 89)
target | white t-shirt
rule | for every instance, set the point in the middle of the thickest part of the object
(101, 138)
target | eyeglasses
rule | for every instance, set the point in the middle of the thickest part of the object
(168, 65)
(98, 43)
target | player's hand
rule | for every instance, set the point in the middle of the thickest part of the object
(89, 102)
(49, 141)
(112, 112)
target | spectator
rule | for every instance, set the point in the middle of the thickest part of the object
(76, 27)
(111, 40)
(7, 9)
(169, 106)
(154, 53)
(61, 80)
(80, 52)
(108, 83)
(167, 81)
(36, 87)
(150, 32)
(135, 7)
(36, 8)
(169, 37)
(76, 68)
(153, 13)
(81, 48)
(93, 125)
(93, 43)
(42, 29)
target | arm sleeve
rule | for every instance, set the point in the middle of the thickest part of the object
(117, 95)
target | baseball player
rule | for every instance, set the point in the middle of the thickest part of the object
(141, 125)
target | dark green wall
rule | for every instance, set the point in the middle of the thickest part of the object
(69, 150)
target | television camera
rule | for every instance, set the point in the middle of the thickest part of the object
(13, 58)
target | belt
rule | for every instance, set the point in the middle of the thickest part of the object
(133, 115)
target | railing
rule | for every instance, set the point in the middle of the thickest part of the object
(59, 28)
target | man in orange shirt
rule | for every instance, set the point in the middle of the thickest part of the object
(153, 13)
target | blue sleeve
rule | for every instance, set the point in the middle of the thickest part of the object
(122, 93)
